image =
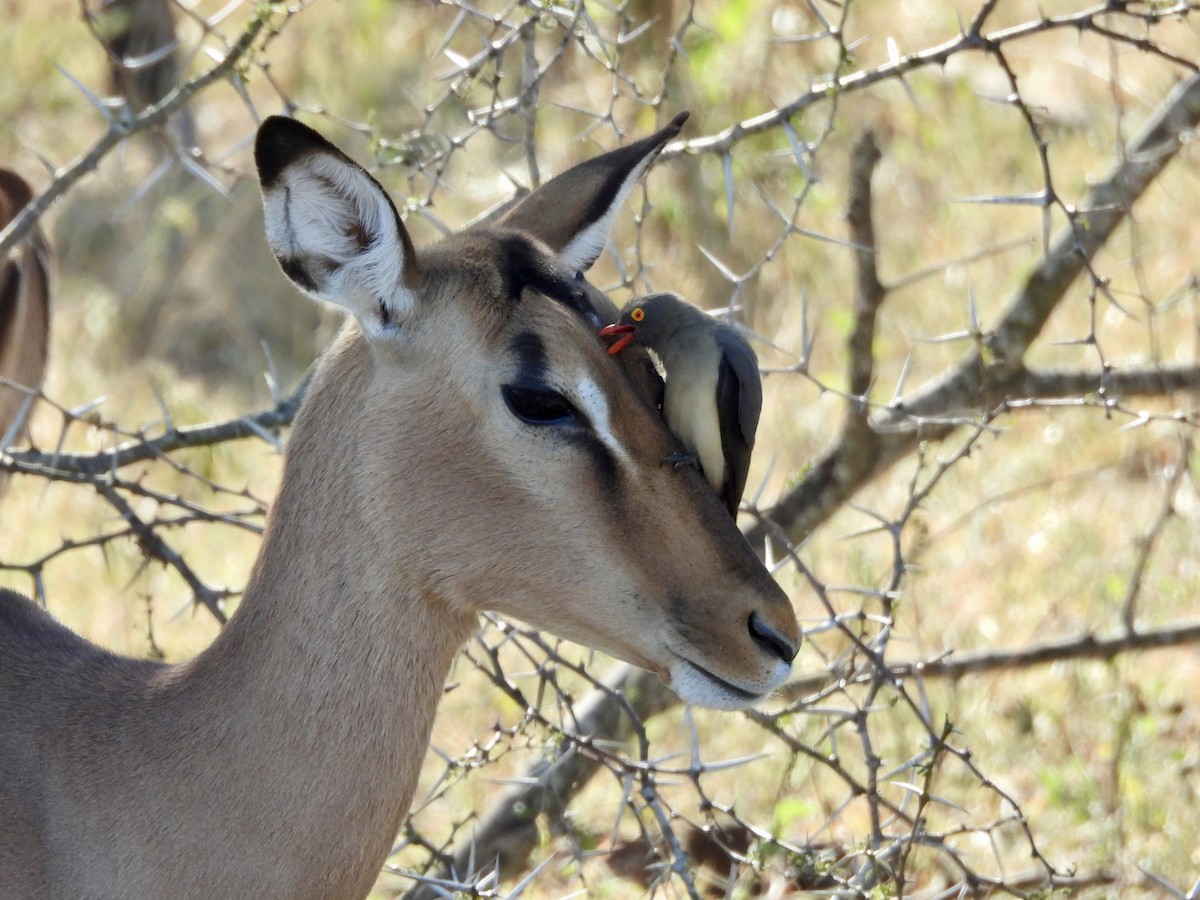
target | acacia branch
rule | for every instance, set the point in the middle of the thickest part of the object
(973, 40)
(966, 391)
(120, 130)
(90, 466)
(507, 832)
(870, 292)
(156, 548)
(1085, 646)
(1049, 384)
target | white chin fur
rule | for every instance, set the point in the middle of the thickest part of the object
(696, 686)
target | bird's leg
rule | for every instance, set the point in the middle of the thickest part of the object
(680, 460)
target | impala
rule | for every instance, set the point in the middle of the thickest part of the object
(467, 443)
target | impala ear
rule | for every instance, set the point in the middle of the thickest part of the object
(333, 228)
(573, 212)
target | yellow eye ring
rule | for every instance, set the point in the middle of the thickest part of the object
(638, 314)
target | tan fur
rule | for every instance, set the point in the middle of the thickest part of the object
(280, 762)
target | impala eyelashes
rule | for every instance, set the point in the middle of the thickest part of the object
(540, 405)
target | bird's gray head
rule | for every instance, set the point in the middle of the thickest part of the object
(651, 320)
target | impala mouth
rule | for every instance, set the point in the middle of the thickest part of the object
(701, 687)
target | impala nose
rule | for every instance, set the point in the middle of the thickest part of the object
(771, 640)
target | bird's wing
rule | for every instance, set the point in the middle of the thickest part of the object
(730, 391)
(744, 366)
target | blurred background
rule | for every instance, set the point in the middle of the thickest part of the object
(975, 469)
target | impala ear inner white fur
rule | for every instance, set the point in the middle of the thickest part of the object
(577, 232)
(333, 228)
(585, 248)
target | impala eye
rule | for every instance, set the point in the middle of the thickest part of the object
(539, 405)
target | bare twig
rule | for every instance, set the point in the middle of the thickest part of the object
(939, 407)
(120, 130)
(89, 466)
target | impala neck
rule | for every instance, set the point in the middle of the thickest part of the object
(331, 670)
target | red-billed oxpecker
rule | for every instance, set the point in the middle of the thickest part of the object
(713, 390)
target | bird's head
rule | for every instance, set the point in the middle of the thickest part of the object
(648, 320)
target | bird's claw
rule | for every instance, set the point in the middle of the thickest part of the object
(681, 460)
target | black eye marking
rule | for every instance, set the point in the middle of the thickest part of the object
(529, 351)
(528, 267)
(571, 293)
(539, 405)
(536, 404)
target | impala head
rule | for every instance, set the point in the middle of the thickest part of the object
(502, 459)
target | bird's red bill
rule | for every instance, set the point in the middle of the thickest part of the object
(627, 334)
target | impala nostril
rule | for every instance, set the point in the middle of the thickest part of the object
(767, 637)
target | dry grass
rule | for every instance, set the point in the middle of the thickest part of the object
(1034, 535)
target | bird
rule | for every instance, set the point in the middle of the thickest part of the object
(713, 393)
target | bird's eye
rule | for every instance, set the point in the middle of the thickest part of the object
(539, 405)
(638, 314)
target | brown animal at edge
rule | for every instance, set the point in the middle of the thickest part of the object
(466, 444)
(24, 317)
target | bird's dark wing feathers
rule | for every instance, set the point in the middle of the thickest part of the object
(730, 393)
(739, 388)
(744, 366)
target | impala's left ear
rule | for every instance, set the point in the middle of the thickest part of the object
(573, 212)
